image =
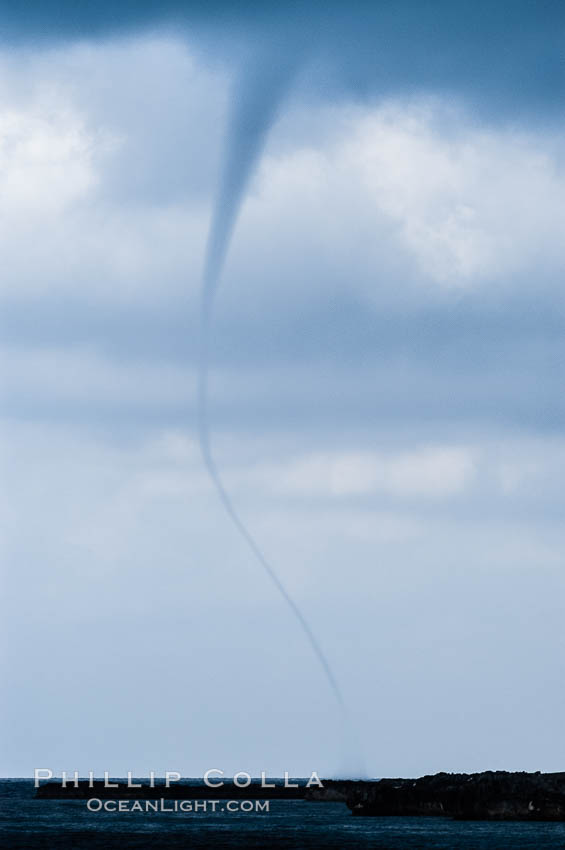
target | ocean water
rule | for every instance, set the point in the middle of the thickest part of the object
(26, 822)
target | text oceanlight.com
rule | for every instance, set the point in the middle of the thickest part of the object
(187, 806)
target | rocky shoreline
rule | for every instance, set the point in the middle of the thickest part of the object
(491, 795)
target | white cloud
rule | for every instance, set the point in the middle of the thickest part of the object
(73, 158)
(481, 204)
(429, 472)
(441, 471)
(45, 161)
(465, 202)
(114, 192)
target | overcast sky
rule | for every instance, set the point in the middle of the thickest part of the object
(387, 391)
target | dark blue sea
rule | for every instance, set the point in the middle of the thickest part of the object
(26, 822)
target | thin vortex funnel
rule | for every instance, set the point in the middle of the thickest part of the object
(258, 97)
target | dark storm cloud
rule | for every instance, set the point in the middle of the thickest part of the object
(505, 55)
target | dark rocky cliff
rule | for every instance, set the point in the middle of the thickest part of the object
(491, 795)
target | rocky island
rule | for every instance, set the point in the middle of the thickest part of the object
(491, 795)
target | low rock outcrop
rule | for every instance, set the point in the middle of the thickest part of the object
(491, 795)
